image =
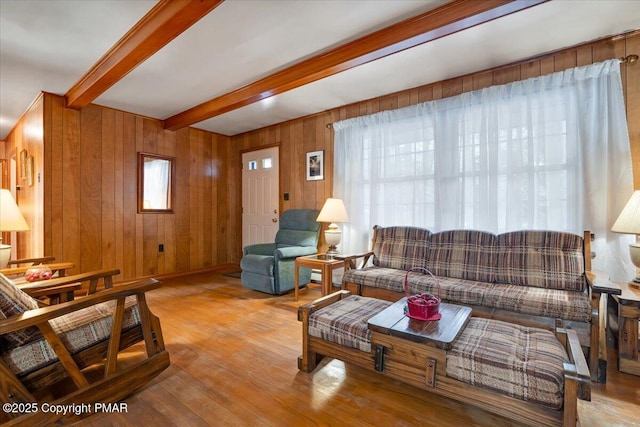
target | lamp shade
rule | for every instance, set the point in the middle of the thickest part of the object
(628, 221)
(333, 211)
(11, 218)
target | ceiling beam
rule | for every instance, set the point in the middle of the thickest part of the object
(164, 22)
(442, 21)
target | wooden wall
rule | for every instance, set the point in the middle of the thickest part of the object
(27, 135)
(296, 137)
(89, 192)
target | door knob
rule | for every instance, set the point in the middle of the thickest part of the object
(274, 220)
(275, 211)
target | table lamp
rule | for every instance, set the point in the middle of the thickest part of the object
(628, 222)
(11, 219)
(333, 211)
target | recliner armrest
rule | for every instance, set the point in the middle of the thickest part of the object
(294, 251)
(260, 249)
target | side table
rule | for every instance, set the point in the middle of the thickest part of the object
(326, 265)
(628, 319)
(59, 267)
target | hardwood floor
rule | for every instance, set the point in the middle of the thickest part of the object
(234, 362)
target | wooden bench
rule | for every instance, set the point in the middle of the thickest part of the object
(439, 367)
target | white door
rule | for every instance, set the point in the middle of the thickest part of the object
(260, 187)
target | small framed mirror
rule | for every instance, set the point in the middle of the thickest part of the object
(155, 183)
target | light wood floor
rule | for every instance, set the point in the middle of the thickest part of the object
(234, 363)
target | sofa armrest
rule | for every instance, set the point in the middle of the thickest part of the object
(351, 260)
(259, 249)
(304, 311)
(294, 251)
(599, 283)
(577, 368)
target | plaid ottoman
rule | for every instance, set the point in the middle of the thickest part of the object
(345, 322)
(521, 362)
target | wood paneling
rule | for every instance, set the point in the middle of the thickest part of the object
(28, 134)
(90, 197)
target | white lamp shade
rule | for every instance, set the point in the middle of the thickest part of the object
(333, 211)
(628, 221)
(11, 218)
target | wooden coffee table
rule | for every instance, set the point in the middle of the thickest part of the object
(399, 341)
(441, 333)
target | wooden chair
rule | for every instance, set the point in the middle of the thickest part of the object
(30, 261)
(41, 347)
(62, 289)
(16, 269)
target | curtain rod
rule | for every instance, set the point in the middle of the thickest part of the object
(629, 59)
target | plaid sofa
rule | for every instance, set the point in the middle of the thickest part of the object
(536, 277)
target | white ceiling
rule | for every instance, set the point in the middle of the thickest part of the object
(49, 45)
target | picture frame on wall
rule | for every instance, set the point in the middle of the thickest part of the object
(24, 156)
(315, 165)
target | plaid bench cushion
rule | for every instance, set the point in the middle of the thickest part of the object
(77, 330)
(524, 363)
(345, 322)
(13, 301)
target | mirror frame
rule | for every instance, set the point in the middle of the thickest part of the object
(172, 167)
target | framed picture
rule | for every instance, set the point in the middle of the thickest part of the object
(315, 165)
(30, 171)
(23, 164)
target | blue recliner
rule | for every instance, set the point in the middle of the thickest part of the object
(268, 267)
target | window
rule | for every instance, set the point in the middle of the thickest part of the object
(533, 154)
(155, 183)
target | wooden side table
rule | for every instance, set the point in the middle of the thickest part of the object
(59, 267)
(628, 319)
(321, 262)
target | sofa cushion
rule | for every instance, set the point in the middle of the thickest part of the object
(13, 301)
(553, 303)
(524, 363)
(345, 322)
(462, 254)
(391, 279)
(458, 291)
(546, 259)
(77, 330)
(401, 247)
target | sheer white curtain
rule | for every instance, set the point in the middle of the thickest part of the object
(156, 184)
(550, 152)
